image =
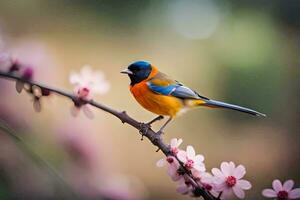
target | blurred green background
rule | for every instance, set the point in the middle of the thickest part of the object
(242, 52)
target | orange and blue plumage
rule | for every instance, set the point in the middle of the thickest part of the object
(160, 94)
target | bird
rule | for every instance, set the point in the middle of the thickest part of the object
(164, 96)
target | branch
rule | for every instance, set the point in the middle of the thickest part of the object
(147, 132)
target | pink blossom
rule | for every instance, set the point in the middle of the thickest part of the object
(174, 144)
(184, 187)
(191, 160)
(171, 162)
(228, 179)
(282, 192)
(172, 167)
(88, 82)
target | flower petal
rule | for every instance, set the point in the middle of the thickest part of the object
(245, 185)
(199, 158)
(182, 189)
(225, 194)
(206, 178)
(74, 78)
(288, 185)
(216, 172)
(101, 88)
(172, 172)
(200, 167)
(231, 167)
(269, 193)
(88, 112)
(239, 172)
(221, 186)
(181, 155)
(190, 152)
(277, 186)
(161, 162)
(225, 168)
(173, 142)
(294, 194)
(238, 192)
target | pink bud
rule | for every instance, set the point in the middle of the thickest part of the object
(170, 160)
(45, 92)
(28, 73)
(15, 66)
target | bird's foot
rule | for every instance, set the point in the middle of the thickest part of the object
(160, 117)
(144, 127)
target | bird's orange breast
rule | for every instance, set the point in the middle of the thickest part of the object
(156, 103)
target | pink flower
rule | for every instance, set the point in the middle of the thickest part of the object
(184, 187)
(170, 161)
(173, 166)
(282, 192)
(174, 144)
(88, 82)
(191, 160)
(228, 179)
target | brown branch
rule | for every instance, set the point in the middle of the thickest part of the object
(146, 131)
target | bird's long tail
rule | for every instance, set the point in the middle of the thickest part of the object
(219, 104)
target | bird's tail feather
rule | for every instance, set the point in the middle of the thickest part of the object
(219, 104)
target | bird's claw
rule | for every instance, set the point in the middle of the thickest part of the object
(160, 117)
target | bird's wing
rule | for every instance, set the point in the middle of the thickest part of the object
(161, 84)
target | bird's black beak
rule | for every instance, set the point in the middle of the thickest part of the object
(126, 71)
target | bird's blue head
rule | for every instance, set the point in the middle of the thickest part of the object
(138, 71)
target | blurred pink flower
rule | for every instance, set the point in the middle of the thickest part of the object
(282, 192)
(88, 82)
(191, 160)
(184, 187)
(228, 179)
(170, 161)
(36, 54)
(120, 187)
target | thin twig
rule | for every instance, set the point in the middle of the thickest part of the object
(154, 138)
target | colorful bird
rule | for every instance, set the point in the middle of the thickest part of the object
(160, 94)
